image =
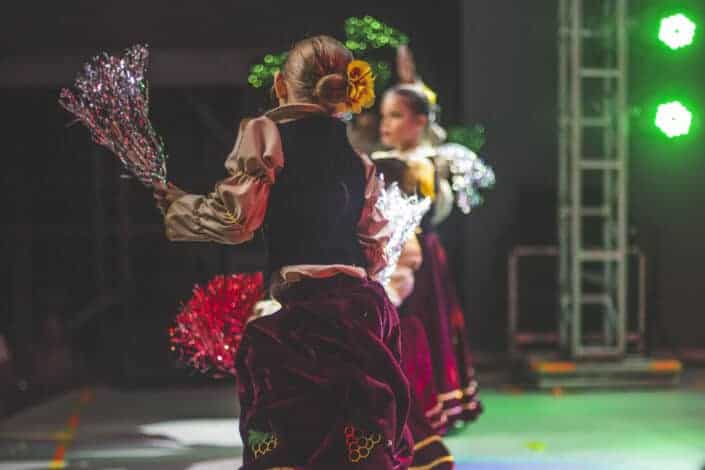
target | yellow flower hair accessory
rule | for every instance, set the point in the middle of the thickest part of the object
(430, 94)
(361, 86)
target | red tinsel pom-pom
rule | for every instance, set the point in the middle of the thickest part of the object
(209, 327)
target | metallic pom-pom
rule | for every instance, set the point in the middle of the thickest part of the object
(404, 214)
(209, 327)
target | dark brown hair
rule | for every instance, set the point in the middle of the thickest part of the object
(414, 99)
(316, 71)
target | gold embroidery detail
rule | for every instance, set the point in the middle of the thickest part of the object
(360, 444)
(456, 394)
(426, 442)
(230, 218)
(435, 463)
(262, 443)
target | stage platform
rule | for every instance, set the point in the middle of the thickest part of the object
(548, 371)
(196, 429)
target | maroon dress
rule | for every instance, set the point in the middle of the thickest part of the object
(320, 383)
(436, 359)
(435, 304)
(429, 449)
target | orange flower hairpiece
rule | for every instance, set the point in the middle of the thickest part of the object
(361, 86)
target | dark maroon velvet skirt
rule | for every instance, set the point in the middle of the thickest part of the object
(429, 450)
(452, 397)
(320, 382)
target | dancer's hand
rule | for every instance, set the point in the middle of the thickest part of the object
(401, 283)
(406, 67)
(166, 194)
(410, 255)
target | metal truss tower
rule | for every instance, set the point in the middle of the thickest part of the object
(592, 199)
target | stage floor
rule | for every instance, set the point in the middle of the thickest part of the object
(196, 429)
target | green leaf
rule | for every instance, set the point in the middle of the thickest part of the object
(257, 437)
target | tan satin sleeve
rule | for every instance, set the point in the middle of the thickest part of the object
(373, 229)
(443, 204)
(237, 206)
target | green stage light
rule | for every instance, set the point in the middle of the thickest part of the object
(673, 119)
(676, 31)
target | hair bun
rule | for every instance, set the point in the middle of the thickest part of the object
(331, 89)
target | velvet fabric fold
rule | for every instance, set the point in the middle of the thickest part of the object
(322, 380)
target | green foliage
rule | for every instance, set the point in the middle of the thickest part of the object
(262, 74)
(473, 137)
(367, 33)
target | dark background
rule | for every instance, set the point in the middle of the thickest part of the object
(491, 62)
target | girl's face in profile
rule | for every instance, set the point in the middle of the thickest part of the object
(399, 127)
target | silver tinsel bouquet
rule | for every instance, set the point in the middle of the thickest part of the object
(111, 99)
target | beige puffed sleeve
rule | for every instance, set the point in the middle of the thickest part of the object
(237, 206)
